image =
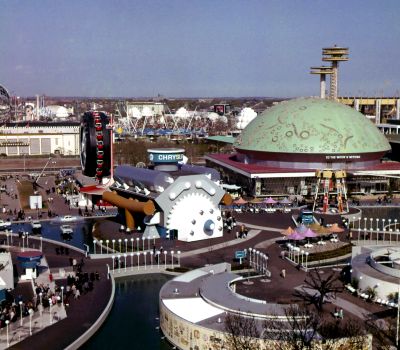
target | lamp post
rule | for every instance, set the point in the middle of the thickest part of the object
(250, 250)
(365, 223)
(307, 261)
(179, 258)
(143, 239)
(359, 222)
(120, 245)
(107, 241)
(158, 259)
(101, 247)
(148, 242)
(151, 258)
(20, 312)
(132, 261)
(126, 245)
(119, 263)
(132, 240)
(50, 305)
(144, 255)
(370, 224)
(383, 229)
(172, 259)
(125, 255)
(62, 295)
(8, 340)
(8, 242)
(165, 259)
(302, 254)
(113, 259)
(365, 233)
(113, 244)
(138, 255)
(137, 243)
(23, 242)
(30, 321)
(94, 246)
(390, 236)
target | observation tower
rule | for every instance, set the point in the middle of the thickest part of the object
(334, 55)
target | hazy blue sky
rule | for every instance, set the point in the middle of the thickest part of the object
(187, 48)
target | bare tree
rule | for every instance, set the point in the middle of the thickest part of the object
(318, 288)
(242, 332)
(350, 329)
(298, 331)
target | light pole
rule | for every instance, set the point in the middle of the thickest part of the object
(62, 296)
(383, 229)
(101, 247)
(94, 246)
(125, 255)
(113, 244)
(302, 254)
(137, 244)
(107, 241)
(148, 242)
(138, 255)
(20, 312)
(132, 240)
(151, 258)
(30, 321)
(165, 259)
(359, 222)
(306, 260)
(113, 259)
(172, 259)
(119, 263)
(250, 250)
(23, 241)
(145, 264)
(370, 224)
(158, 259)
(120, 245)
(131, 261)
(365, 223)
(143, 239)
(126, 245)
(179, 258)
(395, 224)
(51, 318)
(8, 340)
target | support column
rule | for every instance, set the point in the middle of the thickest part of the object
(378, 104)
(357, 104)
(322, 92)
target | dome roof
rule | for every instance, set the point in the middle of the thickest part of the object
(311, 126)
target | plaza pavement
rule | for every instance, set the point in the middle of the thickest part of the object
(264, 231)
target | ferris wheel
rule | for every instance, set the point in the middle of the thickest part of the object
(5, 102)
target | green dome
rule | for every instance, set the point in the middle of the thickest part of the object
(311, 126)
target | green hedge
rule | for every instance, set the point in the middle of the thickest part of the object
(330, 254)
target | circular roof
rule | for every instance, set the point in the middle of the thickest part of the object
(313, 126)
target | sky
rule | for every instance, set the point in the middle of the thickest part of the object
(195, 48)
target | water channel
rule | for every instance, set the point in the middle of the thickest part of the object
(133, 320)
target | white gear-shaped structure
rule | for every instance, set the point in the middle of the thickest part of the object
(195, 217)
